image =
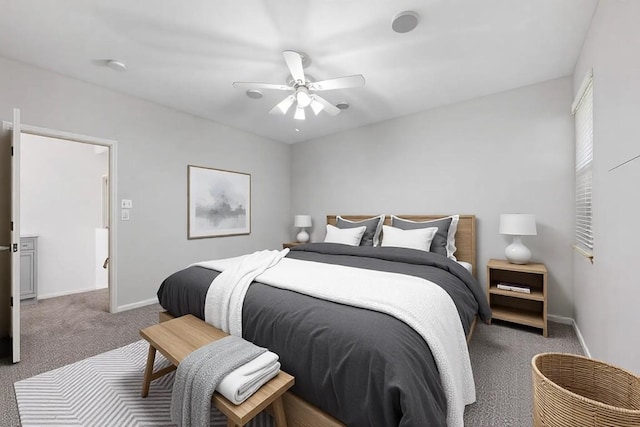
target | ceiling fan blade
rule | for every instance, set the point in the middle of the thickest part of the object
(294, 63)
(327, 106)
(283, 106)
(255, 85)
(345, 82)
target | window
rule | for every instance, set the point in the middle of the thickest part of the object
(582, 108)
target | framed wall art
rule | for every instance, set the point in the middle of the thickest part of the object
(219, 202)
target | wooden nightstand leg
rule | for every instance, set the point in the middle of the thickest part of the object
(278, 413)
(231, 423)
(148, 371)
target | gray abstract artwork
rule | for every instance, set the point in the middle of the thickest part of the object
(219, 202)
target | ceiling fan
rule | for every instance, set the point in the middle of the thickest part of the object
(303, 89)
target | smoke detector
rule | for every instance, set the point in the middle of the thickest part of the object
(116, 65)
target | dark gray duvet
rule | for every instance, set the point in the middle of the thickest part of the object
(363, 367)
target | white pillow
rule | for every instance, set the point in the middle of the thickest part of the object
(419, 238)
(466, 265)
(345, 236)
(451, 237)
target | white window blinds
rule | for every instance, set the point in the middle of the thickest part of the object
(582, 109)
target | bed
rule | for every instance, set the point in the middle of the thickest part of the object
(348, 371)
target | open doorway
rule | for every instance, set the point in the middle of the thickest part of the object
(17, 131)
(105, 192)
(64, 236)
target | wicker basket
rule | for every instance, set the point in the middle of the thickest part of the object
(571, 390)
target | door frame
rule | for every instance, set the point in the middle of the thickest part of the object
(113, 159)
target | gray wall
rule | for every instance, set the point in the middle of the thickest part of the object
(509, 152)
(607, 293)
(155, 145)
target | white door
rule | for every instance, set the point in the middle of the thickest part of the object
(15, 236)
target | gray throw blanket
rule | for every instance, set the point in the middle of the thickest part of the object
(200, 372)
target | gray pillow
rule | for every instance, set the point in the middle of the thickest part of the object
(439, 242)
(371, 234)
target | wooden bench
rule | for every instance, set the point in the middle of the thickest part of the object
(177, 338)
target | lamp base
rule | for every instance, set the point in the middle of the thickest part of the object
(303, 236)
(517, 252)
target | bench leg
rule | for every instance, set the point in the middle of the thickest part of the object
(278, 413)
(148, 371)
(149, 375)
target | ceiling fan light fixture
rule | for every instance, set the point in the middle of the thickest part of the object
(299, 114)
(316, 107)
(283, 106)
(302, 97)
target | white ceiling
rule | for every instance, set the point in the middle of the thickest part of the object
(186, 54)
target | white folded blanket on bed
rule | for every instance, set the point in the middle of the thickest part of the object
(419, 303)
(232, 284)
(240, 384)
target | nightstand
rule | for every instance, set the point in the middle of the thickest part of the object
(290, 244)
(518, 307)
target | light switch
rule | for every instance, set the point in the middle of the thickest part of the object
(124, 214)
(127, 204)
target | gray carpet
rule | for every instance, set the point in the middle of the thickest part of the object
(63, 330)
(108, 394)
(501, 359)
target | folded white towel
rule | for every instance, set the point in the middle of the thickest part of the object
(241, 383)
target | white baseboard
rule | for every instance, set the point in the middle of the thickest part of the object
(572, 322)
(560, 319)
(581, 340)
(138, 304)
(61, 294)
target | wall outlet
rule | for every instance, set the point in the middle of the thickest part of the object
(127, 204)
(124, 214)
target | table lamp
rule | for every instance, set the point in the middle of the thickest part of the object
(302, 222)
(518, 225)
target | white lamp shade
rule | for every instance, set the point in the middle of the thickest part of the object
(302, 221)
(518, 224)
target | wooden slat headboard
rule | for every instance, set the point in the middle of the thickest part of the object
(465, 234)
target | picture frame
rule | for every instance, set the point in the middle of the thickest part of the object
(219, 202)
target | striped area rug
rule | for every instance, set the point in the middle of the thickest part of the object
(104, 390)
